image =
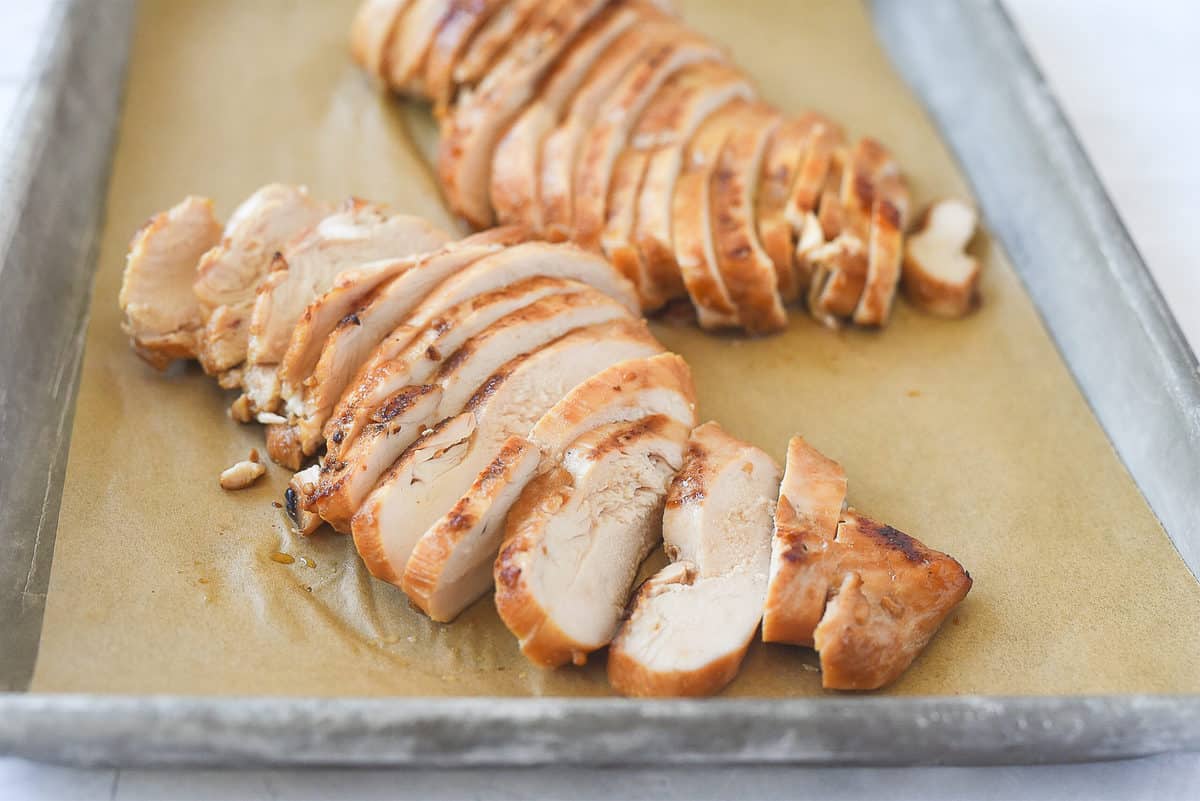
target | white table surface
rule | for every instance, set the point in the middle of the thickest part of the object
(1128, 75)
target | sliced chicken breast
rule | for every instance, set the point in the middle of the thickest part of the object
(746, 268)
(939, 275)
(457, 380)
(486, 275)
(418, 490)
(463, 20)
(163, 318)
(371, 33)
(357, 235)
(885, 251)
(866, 596)
(620, 220)
(562, 146)
(888, 595)
(575, 538)
(667, 127)
(356, 335)
(229, 274)
(516, 159)
(689, 626)
(492, 41)
(480, 117)
(810, 506)
(807, 187)
(691, 222)
(450, 566)
(410, 44)
(608, 136)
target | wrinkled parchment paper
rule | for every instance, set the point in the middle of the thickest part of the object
(970, 435)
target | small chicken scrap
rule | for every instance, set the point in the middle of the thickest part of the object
(867, 597)
(616, 126)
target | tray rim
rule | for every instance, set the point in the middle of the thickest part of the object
(81, 81)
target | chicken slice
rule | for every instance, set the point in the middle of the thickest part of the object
(463, 20)
(885, 251)
(162, 315)
(480, 116)
(485, 275)
(562, 146)
(492, 41)
(691, 222)
(746, 268)
(358, 333)
(371, 33)
(575, 538)
(781, 166)
(421, 357)
(451, 565)
(810, 505)
(939, 275)
(866, 596)
(457, 379)
(667, 127)
(404, 504)
(229, 274)
(689, 626)
(606, 139)
(410, 44)
(889, 596)
(804, 201)
(360, 234)
(620, 220)
(515, 160)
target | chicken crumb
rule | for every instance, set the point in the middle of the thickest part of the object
(242, 475)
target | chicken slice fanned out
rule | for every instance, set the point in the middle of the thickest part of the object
(667, 127)
(939, 275)
(691, 221)
(371, 33)
(885, 251)
(410, 43)
(620, 220)
(460, 375)
(689, 626)
(451, 565)
(163, 318)
(516, 159)
(228, 276)
(361, 233)
(491, 40)
(561, 147)
(618, 116)
(575, 538)
(805, 198)
(463, 19)
(746, 268)
(357, 334)
(479, 117)
(419, 489)
(373, 385)
(866, 596)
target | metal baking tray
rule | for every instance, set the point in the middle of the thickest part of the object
(1043, 201)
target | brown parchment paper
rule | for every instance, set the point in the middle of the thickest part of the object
(970, 435)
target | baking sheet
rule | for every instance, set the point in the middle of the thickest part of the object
(969, 435)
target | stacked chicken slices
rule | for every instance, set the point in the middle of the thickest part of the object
(610, 123)
(493, 412)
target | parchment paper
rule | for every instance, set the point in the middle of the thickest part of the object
(970, 435)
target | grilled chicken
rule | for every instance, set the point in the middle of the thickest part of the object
(571, 116)
(939, 276)
(450, 566)
(407, 501)
(228, 275)
(866, 596)
(577, 535)
(689, 626)
(163, 317)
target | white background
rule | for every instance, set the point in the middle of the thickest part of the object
(1128, 75)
